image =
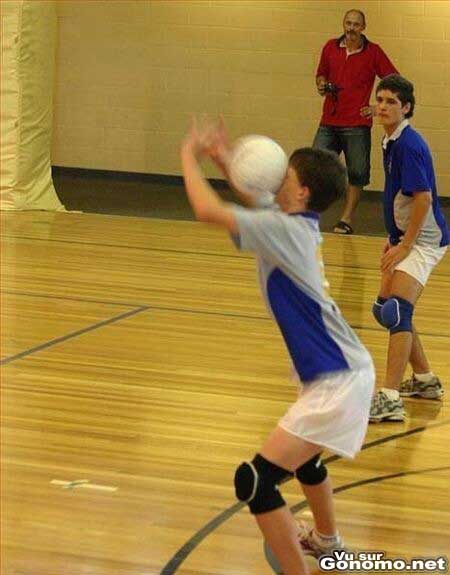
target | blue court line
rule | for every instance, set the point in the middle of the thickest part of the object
(71, 335)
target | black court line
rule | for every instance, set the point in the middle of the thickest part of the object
(181, 555)
(303, 504)
(147, 306)
(269, 319)
(204, 312)
(392, 437)
(71, 335)
(238, 255)
(70, 298)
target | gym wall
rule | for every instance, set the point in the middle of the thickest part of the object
(130, 74)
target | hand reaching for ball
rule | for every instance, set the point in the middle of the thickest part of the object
(208, 137)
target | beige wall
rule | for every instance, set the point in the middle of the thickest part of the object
(130, 73)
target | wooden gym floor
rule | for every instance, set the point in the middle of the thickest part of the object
(140, 368)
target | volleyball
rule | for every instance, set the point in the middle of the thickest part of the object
(257, 165)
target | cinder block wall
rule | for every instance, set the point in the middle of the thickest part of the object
(130, 74)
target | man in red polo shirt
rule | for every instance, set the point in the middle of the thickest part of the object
(347, 70)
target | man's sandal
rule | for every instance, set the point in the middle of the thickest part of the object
(343, 228)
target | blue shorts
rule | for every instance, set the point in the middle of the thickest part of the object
(355, 142)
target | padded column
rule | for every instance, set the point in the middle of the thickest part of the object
(27, 82)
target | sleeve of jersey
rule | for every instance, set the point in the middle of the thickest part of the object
(267, 234)
(323, 67)
(414, 173)
(384, 66)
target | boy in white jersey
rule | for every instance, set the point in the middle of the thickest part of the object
(334, 367)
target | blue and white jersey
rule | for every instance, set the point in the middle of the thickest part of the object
(293, 283)
(408, 168)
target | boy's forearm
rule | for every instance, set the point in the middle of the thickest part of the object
(202, 196)
(419, 211)
(206, 203)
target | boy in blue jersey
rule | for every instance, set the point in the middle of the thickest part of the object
(418, 238)
(335, 369)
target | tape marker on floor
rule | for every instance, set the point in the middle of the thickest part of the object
(83, 484)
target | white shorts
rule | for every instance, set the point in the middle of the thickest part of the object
(333, 411)
(421, 261)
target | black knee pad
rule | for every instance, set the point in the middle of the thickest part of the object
(256, 483)
(312, 472)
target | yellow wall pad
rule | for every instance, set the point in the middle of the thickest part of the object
(28, 64)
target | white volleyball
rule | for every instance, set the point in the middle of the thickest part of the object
(257, 165)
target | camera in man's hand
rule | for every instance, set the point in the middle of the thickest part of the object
(330, 88)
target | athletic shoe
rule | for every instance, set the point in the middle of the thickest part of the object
(310, 544)
(385, 409)
(429, 390)
(313, 545)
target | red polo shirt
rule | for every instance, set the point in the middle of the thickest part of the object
(354, 74)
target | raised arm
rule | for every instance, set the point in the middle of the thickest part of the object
(206, 203)
(220, 151)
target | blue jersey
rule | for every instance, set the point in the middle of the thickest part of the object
(408, 168)
(293, 284)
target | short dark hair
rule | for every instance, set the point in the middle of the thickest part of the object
(402, 88)
(360, 12)
(323, 173)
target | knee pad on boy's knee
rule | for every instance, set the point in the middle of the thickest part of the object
(256, 483)
(312, 472)
(376, 309)
(396, 314)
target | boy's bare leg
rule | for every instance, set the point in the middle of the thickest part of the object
(279, 527)
(320, 500)
(417, 357)
(400, 344)
(352, 197)
(280, 531)
(397, 359)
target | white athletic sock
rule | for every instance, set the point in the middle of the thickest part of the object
(327, 539)
(393, 394)
(424, 377)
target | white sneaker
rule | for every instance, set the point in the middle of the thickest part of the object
(429, 390)
(312, 544)
(384, 409)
